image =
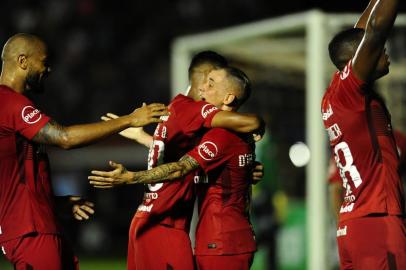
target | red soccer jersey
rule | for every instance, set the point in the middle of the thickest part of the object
(26, 198)
(364, 148)
(401, 144)
(224, 227)
(172, 203)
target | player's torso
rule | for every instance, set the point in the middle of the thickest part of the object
(26, 197)
(360, 135)
(224, 226)
(171, 203)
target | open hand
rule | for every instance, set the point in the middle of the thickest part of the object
(148, 114)
(257, 173)
(110, 179)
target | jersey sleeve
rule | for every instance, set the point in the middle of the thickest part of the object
(211, 151)
(26, 118)
(351, 89)
(196, 114)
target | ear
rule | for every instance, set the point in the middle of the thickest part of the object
(229, 99)
(22, 61)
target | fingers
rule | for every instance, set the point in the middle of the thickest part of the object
(101, 173)
(81, 212)
(112, 115)
(257, 137)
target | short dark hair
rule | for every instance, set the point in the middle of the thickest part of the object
(207, 57)
(344, 45)
(243, 83)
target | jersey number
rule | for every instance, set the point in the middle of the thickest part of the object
(346, 166)
(155, 158)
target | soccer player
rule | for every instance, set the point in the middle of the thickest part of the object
(224, 237)
(371, 233)
(30, 236)
(159, 230)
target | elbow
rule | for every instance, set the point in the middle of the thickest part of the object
(66, 142)
(257, 125)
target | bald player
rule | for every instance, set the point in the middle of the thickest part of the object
(30, 236)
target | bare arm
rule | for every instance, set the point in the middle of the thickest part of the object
(134, 133)
(78, 135)
(362, 21)
(239, 122)
(379, 25)
(163, 173)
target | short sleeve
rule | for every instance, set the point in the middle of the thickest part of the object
(193, 115)
(26, 118)
(211, 151)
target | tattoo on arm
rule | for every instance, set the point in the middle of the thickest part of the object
(52, 133)
(167, 172)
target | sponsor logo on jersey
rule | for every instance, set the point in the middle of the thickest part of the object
(349, 199)
(326, 114)
(30, 115)
(347, 208)
(164, 118)
(207, 150)
(206, 111)
(342, 231)
(346, 71)
(150, 196)
(145, 208)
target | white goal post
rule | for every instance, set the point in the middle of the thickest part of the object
(318, 27)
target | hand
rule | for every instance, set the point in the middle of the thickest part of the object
(259, 133)
(116, 177)
(81, 209)
(132, 133)
(148, 114)
(257, 173)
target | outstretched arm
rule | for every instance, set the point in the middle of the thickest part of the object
(163, 173)
(379, 25)
(134, 133)
(362, 21)
(78, 135)
(239, 122)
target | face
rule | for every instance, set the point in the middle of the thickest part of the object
(200, 75)
(38, 69)
(214, 89)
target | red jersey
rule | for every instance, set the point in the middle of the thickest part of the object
(224, 227)
(401, 144)
(364, 148)
(26, 197)
(172, 203)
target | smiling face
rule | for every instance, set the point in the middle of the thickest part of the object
(38, 68)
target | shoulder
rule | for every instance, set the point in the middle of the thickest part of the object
(221, 135)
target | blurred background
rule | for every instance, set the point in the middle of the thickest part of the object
(110, 56)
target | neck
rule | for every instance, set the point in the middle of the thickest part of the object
(193, 93)
(10, 79)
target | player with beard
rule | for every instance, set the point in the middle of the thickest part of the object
(224, 237)
(371, 231)
(158, 237)
(30, 236)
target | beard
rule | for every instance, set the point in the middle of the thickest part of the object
(34, 83)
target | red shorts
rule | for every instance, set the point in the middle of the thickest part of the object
(225, 262)
(159, 248)
(374, 242)
(40, 252)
